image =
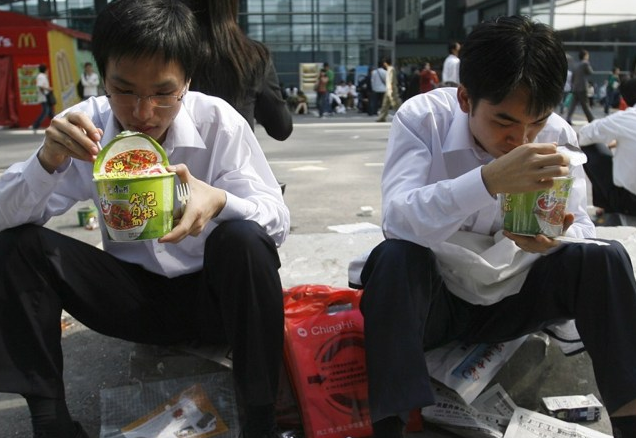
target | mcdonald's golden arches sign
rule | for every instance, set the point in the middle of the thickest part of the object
(26, 40)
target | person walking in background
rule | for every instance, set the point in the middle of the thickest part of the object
(239, 69)
(364, 92)
(450, 69)
(612, 95)
(579, 87)
(90, 82)
(610, 146)
(567, 93)
(428, 79)
(331, 86)
(322, 94)
(45, 93)
(412, 84)
(378, 88)
(391, 98)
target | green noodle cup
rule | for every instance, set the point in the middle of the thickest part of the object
(135, 191)
(540, 212)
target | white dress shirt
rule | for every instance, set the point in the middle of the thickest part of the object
(620, 126)
(90, 82)
(450, 69)
(42, 83)
(433, 195)
(207, 135)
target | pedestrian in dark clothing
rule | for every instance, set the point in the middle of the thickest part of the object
(44, 97)
(580, 86)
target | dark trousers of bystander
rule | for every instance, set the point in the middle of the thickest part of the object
(580, 97)
(47, 111)
(606, 195)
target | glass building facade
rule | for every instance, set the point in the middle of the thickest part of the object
(344, 33)
(352, 33)
(605, 28)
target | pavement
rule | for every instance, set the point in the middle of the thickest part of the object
(95, 364)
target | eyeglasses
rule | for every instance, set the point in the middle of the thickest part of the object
(157, 100)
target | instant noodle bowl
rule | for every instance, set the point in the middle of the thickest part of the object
(135, 190)
(540, 212)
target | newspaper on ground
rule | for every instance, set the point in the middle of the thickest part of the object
(487, 417)
(496, 401)
(529, 424)
(467, 369)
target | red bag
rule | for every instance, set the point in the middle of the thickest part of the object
(324, 355)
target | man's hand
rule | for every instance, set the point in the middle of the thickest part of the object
(73, 135)
(539, 244)
(205, 203)
(526, 168)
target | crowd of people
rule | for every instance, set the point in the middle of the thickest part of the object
(383, 88)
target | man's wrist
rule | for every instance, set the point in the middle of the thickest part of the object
(50, 165)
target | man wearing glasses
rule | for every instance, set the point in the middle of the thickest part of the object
(213, 278)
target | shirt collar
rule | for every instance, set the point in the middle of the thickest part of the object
(181, 133)
(460, 138)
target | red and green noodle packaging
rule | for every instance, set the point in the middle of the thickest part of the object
(135, 190)
(539, 212)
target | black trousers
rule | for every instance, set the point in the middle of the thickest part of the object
(408, 309)
(605, 194)
(580, 97)
(236, 298)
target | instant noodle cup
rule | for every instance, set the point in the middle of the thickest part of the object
(540, 212)
(135, 190)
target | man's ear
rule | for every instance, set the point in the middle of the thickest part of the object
(463, 99)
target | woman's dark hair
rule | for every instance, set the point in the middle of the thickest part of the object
(144, 28)
(231, 62)
(510, 52)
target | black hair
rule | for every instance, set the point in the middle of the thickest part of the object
(232, 63)
(506, 53)
(452, 45)
(42, 68)
(582, 54)
(627, 89)
(145, 28)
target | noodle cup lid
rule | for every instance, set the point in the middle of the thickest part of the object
(128, 155)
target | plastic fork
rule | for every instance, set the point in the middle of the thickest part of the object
(183, 195)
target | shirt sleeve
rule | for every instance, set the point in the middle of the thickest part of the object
(241, 169)
(601, 130)
(29, 194)
(417, 205)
